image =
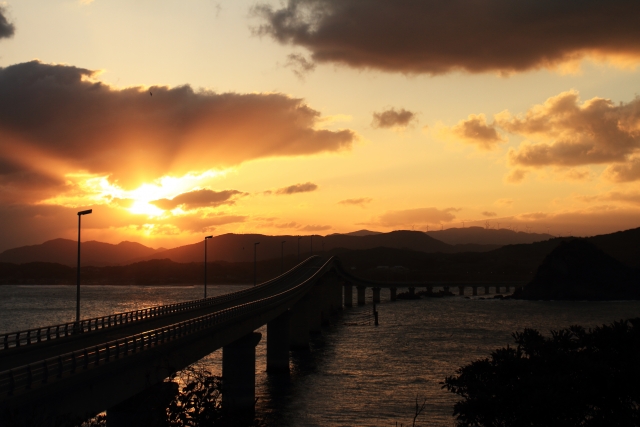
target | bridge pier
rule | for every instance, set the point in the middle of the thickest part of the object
(486, 290)
(336, 292)
(376, 295)
(239, 374)
(348, 295)
(316, 307)
(497, 289)
(148, 408)
(507, 289)
(278, 343)
(474, 290)
(392, 294)
(445, 289)
(299, 325)
(429, 289)
(412, 291)
(460, 290)
(361, 290)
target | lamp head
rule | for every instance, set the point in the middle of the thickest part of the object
(208, 237)
(88, 211)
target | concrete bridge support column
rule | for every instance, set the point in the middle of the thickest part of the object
(460, 290)
(278, 343)
(507, 289)
(430, 289)
(144, 409)
(392, 294)
(474, 290)
(299, 325)
(361, 290)
(445, 288)
(336, 288)
(376, 295)
(316, 306)
(497, 289)
(412, 291)
(486, 290)
(348, 295)
(239, 374)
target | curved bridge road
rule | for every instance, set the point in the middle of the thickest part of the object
(116, 362)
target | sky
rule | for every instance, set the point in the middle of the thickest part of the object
(173, 120)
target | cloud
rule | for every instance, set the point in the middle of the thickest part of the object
(7, 29)
(300, 65)
(489, 214)
(573, 134)
(409, 217)
(476, 131)
(292, 224)
(356, 202)
(197, 224)
(315, 227)
(56, 119)
(516, 176)
(298, 188)
(392, 118)
(198, 199)
(435, 37)
(624, 172)
(504, 202)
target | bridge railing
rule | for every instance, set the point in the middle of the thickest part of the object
(39, 373)
(47, 333)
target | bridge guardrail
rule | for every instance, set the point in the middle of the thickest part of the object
(41, 372)
(47, 333)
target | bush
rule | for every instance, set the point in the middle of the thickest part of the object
(576, 377)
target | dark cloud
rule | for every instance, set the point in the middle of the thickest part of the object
(392, 118)
(56, 119)
(475, 130)
(200, 224)
(198, 199)
(489, 214)
(298, 188)
(409, 217)
(437, 36)
(300, 65)
(7, 29)
(356, 202)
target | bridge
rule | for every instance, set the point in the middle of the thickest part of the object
(115, 362)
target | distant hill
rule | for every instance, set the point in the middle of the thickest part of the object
(65, 251)
(578, 270)
(239, 247)
(483, 236)
(360, 233)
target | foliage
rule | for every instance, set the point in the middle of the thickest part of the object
(199, 402)
(576, 377)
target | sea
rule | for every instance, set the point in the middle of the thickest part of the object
(357, 373)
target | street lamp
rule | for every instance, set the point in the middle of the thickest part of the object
(299, 237)
(255, 259)
(282, 262)
(205, 265)
(88, 211)
(312, 245)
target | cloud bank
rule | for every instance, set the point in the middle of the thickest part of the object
(57, 119)
(435, 36)
(409, 217)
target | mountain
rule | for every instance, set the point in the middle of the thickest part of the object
(578, 270)
(484, 236)
(65, 251)
(359, 233)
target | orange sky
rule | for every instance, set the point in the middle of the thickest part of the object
(174, 120)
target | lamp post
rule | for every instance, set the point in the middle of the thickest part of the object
(299, 237)
(88, 211)
(255, 263)
(312, 245)
(282, 252)
(205, 265)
